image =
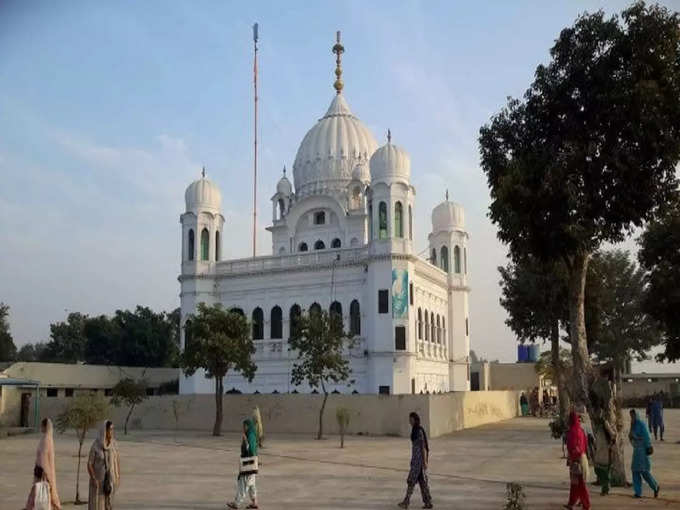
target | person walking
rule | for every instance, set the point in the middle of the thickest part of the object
(648, 412)
(39, 497)
(246, 480)
(577, 461)
(44, 459)
(420, 453)
(524, 404)
(642, 449)
(602, 457)
(657, 416)
(103, 465)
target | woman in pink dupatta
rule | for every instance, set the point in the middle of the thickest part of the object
(45, 459)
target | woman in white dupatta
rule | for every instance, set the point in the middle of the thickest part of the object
(103, 457)
(44, 458)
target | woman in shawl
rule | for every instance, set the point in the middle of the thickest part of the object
(420, 453)
(103, 465)
(642, 448)
(245, 484)
(44, 459)
(577, 443)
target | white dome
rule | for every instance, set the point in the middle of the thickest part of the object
(390, 164)
(203, 195)
(284, 187)
(331, 150)
(361, 173)
(448, 216)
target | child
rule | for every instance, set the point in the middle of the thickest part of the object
(39, 497)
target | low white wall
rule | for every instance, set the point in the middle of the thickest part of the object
(370, 414)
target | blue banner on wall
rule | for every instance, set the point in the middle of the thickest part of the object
(399, 293)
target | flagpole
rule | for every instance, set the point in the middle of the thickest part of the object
(255, 37)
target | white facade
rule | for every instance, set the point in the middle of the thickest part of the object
(342, 236)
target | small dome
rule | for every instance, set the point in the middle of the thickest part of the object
(284, 187)
(390, 164)
(204, 195)
(448, 216)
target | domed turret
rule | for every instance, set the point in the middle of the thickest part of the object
(284, 187)
(448, 216)
(361, 173)
(203, 194)
(390, 164)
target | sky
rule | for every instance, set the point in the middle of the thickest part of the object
(108, 110)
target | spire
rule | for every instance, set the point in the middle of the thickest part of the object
(447, 194)
(389, 136)
(284, 170)
(338, 49)
(203, 172)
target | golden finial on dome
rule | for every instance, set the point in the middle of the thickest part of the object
(338, 49)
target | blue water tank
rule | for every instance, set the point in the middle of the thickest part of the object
(534, 352)
(522, 353)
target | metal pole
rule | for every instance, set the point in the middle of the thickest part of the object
(255, 37)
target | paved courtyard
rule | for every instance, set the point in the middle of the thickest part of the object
(469, 470)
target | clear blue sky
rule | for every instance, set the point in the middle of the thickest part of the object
(109, 109)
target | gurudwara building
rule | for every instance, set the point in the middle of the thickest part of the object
(342, 240)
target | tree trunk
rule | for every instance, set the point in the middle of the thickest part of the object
(127, 419)
(217, 429)
(558, 371)
(323, 407)
(618, 472)
(80, 450)
(578, 268)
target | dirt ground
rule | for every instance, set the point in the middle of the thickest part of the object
(468, 470)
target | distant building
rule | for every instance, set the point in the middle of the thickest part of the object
(488, 376)
(20, 381)
(643, 385)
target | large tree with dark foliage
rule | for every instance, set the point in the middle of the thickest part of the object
(590, 152)
(67, 344)
(660, 257)
(8, 351)
(218, 341)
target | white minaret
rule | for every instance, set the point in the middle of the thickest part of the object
(202, 223)
(390, 272)
(449, 250)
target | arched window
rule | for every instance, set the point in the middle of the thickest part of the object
(276, 323)
(336, 308)
(258, 324)
(336, 243)
(319, 245)
(217, 245)
(319, 218)
(315, 309)
(456, 259)
(433, 328)
(420, 324)
(187, 333)
(191, 248)
(237, 310)
(382, 220)
(335, 315)
(444, 329)
(444, 258)
(205, 244)
(427, 326)
(294, 320)
(354, 318)
(370, 220)
(282, 208)
(302, 247)
(439, 331)
(465, 259)
(398, 220)
(433, 258)
(410, 223)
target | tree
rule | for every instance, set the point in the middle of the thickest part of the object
(81, 414)
(220, 341)
(147, 338)
(343, 416)
(103, 344)
(659, 256)
(68, 340)
(129, 393)
(8, 351)
(320, 345)
(32, 352)
(590, 152)
(534, 293)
